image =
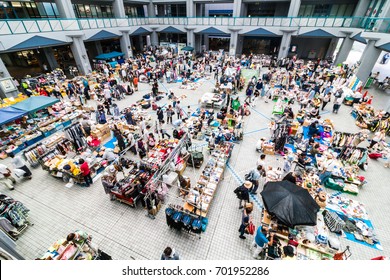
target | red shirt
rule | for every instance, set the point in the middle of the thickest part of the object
(85, 169)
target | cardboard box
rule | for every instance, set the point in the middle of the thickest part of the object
(269, 152)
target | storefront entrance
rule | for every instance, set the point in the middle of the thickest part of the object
(219, 43)
(35, 61)
(261, 45)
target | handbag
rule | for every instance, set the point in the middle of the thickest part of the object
(250, 228)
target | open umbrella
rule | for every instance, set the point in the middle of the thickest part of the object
(187, 49)
(292, 205)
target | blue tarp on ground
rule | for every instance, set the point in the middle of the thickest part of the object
(111, 55)
(10, 114)
(35, 103)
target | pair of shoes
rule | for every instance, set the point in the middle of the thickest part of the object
(241, 207)
(12, 189)
(242, 237)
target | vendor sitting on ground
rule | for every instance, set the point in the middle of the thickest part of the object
(260, 145)
(313, 129)
(302, 159)
(315, 150)
(109, 155)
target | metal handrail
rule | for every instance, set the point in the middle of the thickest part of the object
(25, 26)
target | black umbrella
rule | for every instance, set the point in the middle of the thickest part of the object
(290, 204)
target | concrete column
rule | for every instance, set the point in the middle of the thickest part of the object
(361, 8)
(206, 42)
(151, 10)
(368, 60)
(80, 55)
(50, 58)
(345, 48)
(190, 8)
(233, 42)
(237, 8)
(4, 74)
(3, 70)
(99, 48)
(295, 5)
(240, 44)
(65, 8)
(119, 9)
(332, 47)
(284, 45)
(191, 38)
(126, 44)
(154, 38)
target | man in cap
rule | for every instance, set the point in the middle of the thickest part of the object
(260, 241)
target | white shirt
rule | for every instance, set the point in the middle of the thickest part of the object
(3, 169)
(261, 163)
(18, 162)
(107, 93)
(109, 155)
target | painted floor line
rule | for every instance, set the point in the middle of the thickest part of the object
(261, 114)
(240, 181)
(254, 131)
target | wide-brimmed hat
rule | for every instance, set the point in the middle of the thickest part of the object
(111, 169)
(248, 184)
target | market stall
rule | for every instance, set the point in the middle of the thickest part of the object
(76, 246)
(112, 58)
(369, 118)
(191, 217)
(293, 215)
(213, 100)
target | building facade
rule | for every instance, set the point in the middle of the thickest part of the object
(62, 33)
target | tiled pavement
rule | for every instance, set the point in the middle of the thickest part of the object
(126, 233)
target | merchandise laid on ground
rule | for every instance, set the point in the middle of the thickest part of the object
(198, 147)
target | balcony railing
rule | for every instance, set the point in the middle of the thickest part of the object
(16, 26)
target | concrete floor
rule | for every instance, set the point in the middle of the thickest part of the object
(126, 233)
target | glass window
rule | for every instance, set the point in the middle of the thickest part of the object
(333, 11)
(94, 12)
(342, 9)
(81, 10)
(321, 10)
(41, 10)
(349, 10)
(49, 9)
(262, 9)
(19, 10)
(56, 12)
(98, 11)
(32, 10)
(88, 11)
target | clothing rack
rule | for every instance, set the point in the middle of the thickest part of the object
(182, 220)
(76, 135)
(280, 135)
(33, 153)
